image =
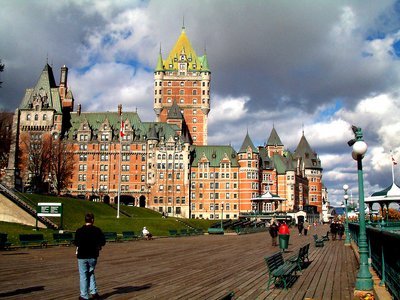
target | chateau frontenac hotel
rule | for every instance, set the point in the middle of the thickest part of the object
(167, 165)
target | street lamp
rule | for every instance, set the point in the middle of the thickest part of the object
(364, 278)
(222, 214)
(346, 225)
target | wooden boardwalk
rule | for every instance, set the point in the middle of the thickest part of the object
(198, 267)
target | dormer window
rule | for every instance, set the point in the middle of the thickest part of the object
(105, 127)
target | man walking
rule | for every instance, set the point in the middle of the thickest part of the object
(88, 239)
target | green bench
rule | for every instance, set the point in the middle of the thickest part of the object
(325, 237)
(35, 239)
(279, 270)
(4, 243)
(318, 242)
(129, 236)
(300, 257)
(64, 237)
(173, 233)
(184, 232)
(217, 230)
(111, 236)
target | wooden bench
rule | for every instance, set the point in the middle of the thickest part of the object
(278, 269)
(111, 236)
(300, 257)
(32, 239)
(4, 243)
(228, 296)
(129, 236)
(318, 242)
(64, 237)
(325, 237)
(217, 230)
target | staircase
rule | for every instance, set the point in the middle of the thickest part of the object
(25, 206)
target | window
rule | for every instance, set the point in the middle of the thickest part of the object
(28, 117)
(44, 117)
(36, 117)
(194, 120)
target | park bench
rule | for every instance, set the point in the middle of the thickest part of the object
(173, 233)
(278, 269)
(111, 236)
(184, 232)
(318, 242)
(129, 236)
(217, 230)
(32, 239)
(325, 237)
(300, 257)
(64, 237)
(4, 244)
(228, 296)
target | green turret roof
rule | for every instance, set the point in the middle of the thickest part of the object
(309, 157)
(247, 143)
(160, 64)
(45, 89)
(175, 112)
(274, 139)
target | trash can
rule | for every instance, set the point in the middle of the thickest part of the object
(283, 241)
(284, 235)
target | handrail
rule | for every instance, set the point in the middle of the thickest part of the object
(22, 204)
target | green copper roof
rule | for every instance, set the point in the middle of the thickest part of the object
(96, 119)
(45, 89)
(282, 163)
(160, 66)
(175, 112)
(214, 154)
(309, 157)
(247, 143)
(274, 139)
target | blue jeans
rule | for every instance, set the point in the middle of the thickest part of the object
(87, 279)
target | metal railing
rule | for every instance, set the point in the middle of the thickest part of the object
(383, 245)
(25, 206)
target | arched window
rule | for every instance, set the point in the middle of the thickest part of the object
(36, 117)
(28, 117)
(44, 117)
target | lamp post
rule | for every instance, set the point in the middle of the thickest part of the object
(347, 241)
(222, 214)
(364, 278)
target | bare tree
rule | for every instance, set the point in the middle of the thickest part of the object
(5, 137)
(62, 164)
(34, 159)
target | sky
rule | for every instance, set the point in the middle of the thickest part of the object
(312, 67)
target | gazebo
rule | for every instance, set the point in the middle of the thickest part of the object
(267, 202)
(385, 197)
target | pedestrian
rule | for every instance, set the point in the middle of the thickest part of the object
(300, 226)
(146, 234)
(306, 226)
(340, 230)
(89, 240)
(333, 228)
(273, 231)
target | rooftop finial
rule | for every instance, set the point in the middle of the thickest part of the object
(183, 23)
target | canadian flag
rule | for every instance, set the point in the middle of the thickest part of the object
(394, 161)
(122, 129)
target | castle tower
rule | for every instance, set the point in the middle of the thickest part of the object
(185, 78)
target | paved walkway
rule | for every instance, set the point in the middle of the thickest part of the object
(199, 267)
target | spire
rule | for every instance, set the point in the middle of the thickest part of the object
(247, 143)
(274, 139)
(183, 23)
(174, 112)
(160, 64)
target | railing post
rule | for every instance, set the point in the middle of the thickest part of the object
(383, 266)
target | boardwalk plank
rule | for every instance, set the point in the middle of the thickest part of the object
(198, 267)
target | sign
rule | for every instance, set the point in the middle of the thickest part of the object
(49, 209)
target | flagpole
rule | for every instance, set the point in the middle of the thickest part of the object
(393, 163)
(119, 168)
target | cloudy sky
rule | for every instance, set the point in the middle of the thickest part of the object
(312, 66)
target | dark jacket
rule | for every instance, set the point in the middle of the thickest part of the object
(273, 230)
(89, 239)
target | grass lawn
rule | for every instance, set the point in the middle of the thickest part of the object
(131, 218)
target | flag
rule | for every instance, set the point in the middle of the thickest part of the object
(394, 161)
(122, 129)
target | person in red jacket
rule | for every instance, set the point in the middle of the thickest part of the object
(284, 229)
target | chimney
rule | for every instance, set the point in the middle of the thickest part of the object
(64, 76)
(79, 109)
(119, 109)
